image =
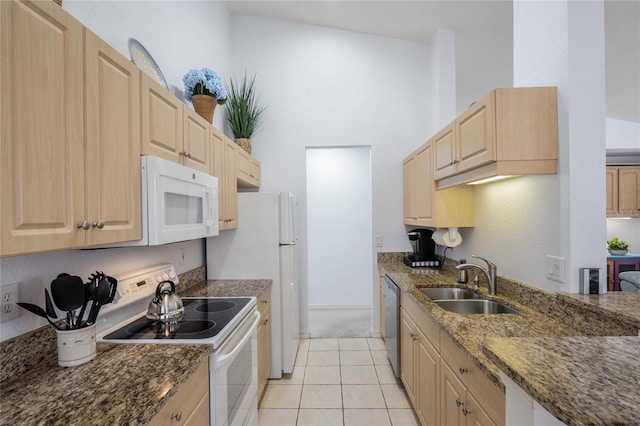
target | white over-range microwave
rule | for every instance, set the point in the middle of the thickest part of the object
(178, 203)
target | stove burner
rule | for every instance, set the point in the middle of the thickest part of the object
(216, 306)
(203, 318)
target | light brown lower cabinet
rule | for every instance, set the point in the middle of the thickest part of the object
(419, 370)
(443, 385)
(190, 405)
(264, 340)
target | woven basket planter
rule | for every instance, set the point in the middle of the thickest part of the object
(204, 106)
(244, 144)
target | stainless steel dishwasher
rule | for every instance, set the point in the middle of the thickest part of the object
(392, 323)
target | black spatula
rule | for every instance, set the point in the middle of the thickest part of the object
(68, 294)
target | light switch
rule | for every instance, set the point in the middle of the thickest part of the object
(378, 240)
(556, 268)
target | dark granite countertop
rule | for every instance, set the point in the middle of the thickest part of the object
(122, 385)
(580, 380)
(577, 375)
(612, 304)
(470, 331)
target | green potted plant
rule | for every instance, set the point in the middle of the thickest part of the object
(617, 247)
(244, 112)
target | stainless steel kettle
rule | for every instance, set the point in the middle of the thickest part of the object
(166, 306)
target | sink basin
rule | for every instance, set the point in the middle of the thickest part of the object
(475, 307)
(440, 293)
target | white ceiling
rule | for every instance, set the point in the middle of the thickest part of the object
(483, 30)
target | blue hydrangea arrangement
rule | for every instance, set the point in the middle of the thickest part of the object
(204, 81)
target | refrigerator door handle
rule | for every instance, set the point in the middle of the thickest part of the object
(292, 243)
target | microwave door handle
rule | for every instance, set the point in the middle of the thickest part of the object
(210, 207)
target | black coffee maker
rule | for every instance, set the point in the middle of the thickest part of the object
(424, 249)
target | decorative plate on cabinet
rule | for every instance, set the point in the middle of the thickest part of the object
(145, 62)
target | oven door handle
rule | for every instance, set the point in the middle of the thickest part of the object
(239, 345)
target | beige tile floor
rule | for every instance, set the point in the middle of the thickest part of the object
(343, 381)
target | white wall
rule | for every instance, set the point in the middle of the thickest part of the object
(36, 271)
(326, 87)
(179, 35)
(622, 134)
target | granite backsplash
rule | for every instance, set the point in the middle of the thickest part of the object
(589, 319)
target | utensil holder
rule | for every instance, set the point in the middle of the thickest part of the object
(76, 347)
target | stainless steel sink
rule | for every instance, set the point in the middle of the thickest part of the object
(475, 307)
(435, 293)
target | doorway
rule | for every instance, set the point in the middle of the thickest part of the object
(339, 232)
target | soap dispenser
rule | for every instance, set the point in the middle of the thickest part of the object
(462, 273)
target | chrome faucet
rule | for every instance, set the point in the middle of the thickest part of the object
(490, 272)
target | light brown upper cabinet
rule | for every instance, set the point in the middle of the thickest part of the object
(225, 169)
(623, 191)
(55, 194)
(112, 168)
(248, 170)
(510, 131)
(426, 206)
(172, 130)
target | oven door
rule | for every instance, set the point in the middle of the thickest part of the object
(234, 376)
(182, 202)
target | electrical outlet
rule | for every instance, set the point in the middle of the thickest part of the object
(9, 295)
(556, 268)
(379, 241)
(182, 257)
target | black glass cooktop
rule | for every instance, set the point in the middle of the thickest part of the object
(202, 319)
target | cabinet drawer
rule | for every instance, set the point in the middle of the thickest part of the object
(264, 302)
(488, 394)
(188, 401)
(426, 324)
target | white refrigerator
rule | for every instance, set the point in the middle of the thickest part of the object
(264, 247)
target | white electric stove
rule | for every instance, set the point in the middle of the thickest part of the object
(228, 324)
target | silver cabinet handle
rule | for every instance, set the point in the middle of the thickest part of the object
(177, 416)
(99, 224)
(266, 322)
(466, 412)
(459, 403)
(84, 225)
(463, 370)
(414, 336)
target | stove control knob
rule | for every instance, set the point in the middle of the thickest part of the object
(165, 276)
(172, 274)
(159, 278)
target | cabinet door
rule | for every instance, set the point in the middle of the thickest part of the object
(428, 361)
(474, 414)
(425, 186)
(452, 398)
(256, 173)
(409, 195)
(196, 142)
(112, 168)
(229, 157)
(41, 113)
(612, 189)
(190, 404)
(264, 353)
(475, 134)
(407, 371)
(629, 189)
(162, 121)
(444, 148)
